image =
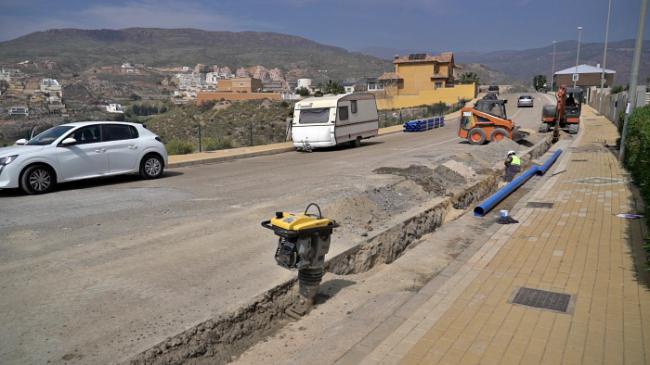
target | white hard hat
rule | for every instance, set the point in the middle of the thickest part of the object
(511, 153)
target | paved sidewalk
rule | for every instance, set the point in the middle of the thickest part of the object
(577, 246)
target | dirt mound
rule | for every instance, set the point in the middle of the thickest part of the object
(436, 181)
(357, 213)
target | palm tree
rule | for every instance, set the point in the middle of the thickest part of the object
(469, 77)
(333, 87)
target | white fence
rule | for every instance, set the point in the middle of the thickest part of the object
(612, 106)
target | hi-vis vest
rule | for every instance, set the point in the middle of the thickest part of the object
(516, 161)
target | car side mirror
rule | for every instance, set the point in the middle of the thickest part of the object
(68, 142)
(21, 142)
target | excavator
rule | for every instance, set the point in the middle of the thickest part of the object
(565, 114)
(487, 121)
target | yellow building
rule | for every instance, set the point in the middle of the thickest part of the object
(421, 79)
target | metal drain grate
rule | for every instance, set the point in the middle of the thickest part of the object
(542, 299)
(539, 205)
(578, 160)
(599, 181)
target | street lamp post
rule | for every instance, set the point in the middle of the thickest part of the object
(602, 73)
(553, 69)
(633, 76)
(577, 56)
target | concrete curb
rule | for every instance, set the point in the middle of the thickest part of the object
(277, 150)
(233, 157)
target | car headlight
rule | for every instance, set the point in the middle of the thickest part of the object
(7, 160)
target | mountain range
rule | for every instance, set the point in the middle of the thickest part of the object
(80, 49)
(76, 49)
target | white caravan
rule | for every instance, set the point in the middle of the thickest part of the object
(334, 119)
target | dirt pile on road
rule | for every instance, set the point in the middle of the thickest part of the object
(436, 181)
(367, 211)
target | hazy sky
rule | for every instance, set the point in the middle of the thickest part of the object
(456, 25)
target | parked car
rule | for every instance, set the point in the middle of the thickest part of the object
(81, 150)
(525, 100)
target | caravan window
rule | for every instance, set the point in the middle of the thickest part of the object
(343, 113)
(353, 106)
(314, 116)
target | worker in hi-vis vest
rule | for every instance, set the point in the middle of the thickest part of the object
(513, 165)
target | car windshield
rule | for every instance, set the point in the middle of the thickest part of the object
(48, 136)
(524, 97)
(314, 116)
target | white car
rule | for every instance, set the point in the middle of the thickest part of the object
(81, 150)
(525, 100)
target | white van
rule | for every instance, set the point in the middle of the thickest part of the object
(334, 119)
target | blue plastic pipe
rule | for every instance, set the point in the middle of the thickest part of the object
(547, 165)
(489, 203)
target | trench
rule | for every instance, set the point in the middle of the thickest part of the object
(220, 340)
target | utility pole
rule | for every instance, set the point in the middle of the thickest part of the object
(602, 74)
(633, 77)
(552, 79)
(577, 56)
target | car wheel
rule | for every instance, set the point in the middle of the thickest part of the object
(151, 166)
(357, 142)
(37, 179)
(476, 136)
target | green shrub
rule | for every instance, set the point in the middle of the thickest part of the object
(179, 147)
(213, 144)
(637, 149)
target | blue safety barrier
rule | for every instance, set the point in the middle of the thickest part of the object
(489, 203)
(420, 125)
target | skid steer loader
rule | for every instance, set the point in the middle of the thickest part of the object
(487, 121)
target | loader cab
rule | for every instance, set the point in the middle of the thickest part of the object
(492, 107)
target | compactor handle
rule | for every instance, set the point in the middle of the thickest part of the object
(320, 215)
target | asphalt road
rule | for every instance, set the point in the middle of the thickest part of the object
(99, 271)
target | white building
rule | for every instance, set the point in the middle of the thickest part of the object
(5, 75)
(19, 110)
(115, 108)
(305, 83)
(128, 68)
(212, 78)
(50, 86)
(242, 73)
(374, 85)
(187, 81)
